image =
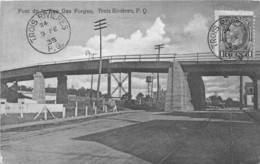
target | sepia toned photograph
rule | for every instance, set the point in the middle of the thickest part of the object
(130, 82)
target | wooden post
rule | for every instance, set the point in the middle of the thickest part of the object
(94, 107)
(86, 111)
(63, 112)
(105, 108)
(95, 110)
(45, 114)
(21, 109)
(76, 109)
(45, 110)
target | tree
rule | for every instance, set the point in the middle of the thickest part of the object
(216, 100)
(81, 92)
(229, 102)
(50, 90)
(25, 88)
(94, 93)
(140, 95)
(125, 96)
(219, 98)
(72, 91)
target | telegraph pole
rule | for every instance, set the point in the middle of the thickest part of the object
(158, 47)
(91, 56)
(99, 25)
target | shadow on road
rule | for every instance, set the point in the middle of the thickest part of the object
(170, 141)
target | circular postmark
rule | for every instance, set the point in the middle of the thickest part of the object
(48, 31)
(229, 38)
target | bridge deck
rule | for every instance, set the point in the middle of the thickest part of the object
(205, 63)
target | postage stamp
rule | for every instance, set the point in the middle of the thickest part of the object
(231, 36)
(48, 31)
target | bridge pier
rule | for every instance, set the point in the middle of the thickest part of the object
(256, 83)
(14, 87)
(197, 90)
(62, 92)
(4, 84)
(178, 94)
(129, 85)
(39, 88)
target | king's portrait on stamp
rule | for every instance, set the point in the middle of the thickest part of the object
(130, 82)
(231, 36)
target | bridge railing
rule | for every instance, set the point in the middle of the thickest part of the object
(169, 57)
(205, 56)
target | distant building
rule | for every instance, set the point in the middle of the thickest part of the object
(249, 94)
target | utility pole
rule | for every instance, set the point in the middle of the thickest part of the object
(158, 47)
(99, 25)
(91, 56)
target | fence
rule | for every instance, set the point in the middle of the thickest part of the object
(55, 110)
(29, 108)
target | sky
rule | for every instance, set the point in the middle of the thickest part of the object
(181, 25)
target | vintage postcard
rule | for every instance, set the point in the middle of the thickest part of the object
(130, 82)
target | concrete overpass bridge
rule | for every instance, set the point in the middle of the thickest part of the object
(198, 64)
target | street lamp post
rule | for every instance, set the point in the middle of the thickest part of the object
(158, 47)
(99, 25)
